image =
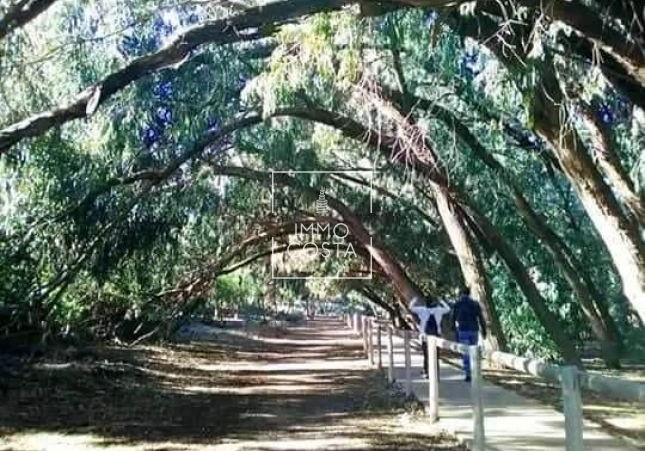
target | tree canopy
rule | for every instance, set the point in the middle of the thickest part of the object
(145, 150)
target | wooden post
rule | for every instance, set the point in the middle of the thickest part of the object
(476, 384)
(390, 354)
(433, 380)
(370, 340)
(357, 324)
(408, 363)
(572, 404)
(379, 344)
(364, 333)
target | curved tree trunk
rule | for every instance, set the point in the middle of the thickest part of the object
(395, 313)
(553, 124)
(387, 145)
(602, 325)
(391, 268)
(471, 264)
(590, 300)
(470, 261)
(619, 233)
(611, 166)
(533, 296)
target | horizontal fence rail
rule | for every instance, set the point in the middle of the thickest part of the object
(570, 378)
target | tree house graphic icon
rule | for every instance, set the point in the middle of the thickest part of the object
(321, 203)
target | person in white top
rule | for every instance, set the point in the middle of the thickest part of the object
(429, 318)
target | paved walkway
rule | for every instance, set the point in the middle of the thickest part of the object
(512, 422)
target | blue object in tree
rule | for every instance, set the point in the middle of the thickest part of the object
(470, 64)
(74, 20)
(192, 18)
(430, 17)
(130, 45)
(161, 28)
(606, 114)
(241, 82)
(163, 90)
(214, 124)
(150, 136)
(163, 116)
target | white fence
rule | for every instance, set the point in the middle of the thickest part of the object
(570, 378)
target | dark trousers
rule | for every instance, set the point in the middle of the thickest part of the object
(424, 349)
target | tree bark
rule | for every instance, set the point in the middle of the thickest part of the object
(533, 296)
(239, 28)
(611, 166)
(588, 296)
(553, 124)
(400, 280)
(21, 13)
(619, 233)
(472, 266)
(387, 145)
(470, 261)
(586, 293)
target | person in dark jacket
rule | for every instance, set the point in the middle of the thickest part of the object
(468, 320)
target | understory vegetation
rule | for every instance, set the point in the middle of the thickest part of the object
(145, 150)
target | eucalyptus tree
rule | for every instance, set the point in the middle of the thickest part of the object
(494, 140)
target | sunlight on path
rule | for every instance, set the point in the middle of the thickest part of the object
(309, 390)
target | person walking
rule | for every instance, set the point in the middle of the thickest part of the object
(468, 320)
(428, 318)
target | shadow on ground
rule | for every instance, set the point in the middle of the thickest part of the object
(305, 390)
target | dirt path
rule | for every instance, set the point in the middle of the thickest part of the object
(309, 390)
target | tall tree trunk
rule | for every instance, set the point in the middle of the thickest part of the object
(588, 296)
(391, 268)
(549, 321)
(602, 325)
(471, 264)
(611, 166)
(618, 232)
(388, 146)
(470, 261)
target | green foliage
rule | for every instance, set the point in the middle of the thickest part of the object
(91, 247)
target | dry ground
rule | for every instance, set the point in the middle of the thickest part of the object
(306, 390)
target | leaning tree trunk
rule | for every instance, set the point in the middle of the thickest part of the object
(611, 166)
(407, 289)
(549, 321)
(618, 232)
(387, 145)
(586, 293)
(370, 295)
(589, 298)
(471, 264)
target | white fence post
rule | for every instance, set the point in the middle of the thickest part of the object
(364, 334)
(379, 346)
(433, 380)
(479, 437)
(370, 340)
(357, 324)
(390, 354)
(572, 404)
(408, 363)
